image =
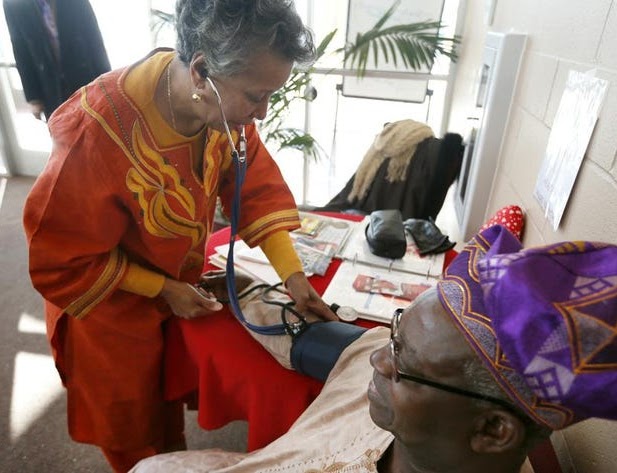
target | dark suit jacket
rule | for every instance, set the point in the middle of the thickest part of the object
(82, 52)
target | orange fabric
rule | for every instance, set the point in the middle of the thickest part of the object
(112, 196)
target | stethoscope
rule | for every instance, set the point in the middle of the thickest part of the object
(285, 327)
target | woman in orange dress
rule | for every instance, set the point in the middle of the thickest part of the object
(118, 221)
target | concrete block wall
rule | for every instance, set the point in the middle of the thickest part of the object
(563, 35)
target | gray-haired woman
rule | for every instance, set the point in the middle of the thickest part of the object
(118, 221)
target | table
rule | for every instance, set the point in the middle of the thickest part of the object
(214, 364)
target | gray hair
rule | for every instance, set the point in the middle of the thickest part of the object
(479, 379)
(229, 32)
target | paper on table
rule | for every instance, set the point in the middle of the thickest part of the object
(260, 271)
(374, 292)
(242, 250)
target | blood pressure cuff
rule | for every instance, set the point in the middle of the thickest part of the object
(315, 351)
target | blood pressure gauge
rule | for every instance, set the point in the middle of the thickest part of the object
(345, 313)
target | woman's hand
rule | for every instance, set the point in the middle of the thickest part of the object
(187, 301)
(306, 297)
(215, 282)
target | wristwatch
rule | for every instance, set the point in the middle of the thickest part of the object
(345, 313)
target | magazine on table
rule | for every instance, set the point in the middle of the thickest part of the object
(324, 233)
(375, 286)
(255, 262)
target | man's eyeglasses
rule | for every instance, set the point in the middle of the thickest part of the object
(396, 318)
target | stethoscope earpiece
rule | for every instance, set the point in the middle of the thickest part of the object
(241, 156)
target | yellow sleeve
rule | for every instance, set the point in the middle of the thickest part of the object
(280, 251)
(142, 281)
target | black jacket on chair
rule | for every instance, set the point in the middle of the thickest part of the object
(434, 167)
(82, 52)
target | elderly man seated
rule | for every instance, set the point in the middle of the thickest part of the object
(510, 346)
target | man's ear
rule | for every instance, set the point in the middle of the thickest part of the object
(496, 431)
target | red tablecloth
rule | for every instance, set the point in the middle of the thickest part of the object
(233, 376)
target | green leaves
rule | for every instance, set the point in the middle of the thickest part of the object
(294, 89)
(321, 49)
(293, 138)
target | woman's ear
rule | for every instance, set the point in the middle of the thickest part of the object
(496, 431)
(199, 72)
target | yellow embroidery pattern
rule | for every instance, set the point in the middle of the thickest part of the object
(156, 183)
(568, 247)
(107, 281)
(153, 182)
(282, 220)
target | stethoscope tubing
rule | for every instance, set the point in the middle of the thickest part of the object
(239, 159)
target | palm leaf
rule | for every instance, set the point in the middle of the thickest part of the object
(323, 45)
(416, 45)
(160, 20)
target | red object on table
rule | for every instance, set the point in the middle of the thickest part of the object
(235, 378)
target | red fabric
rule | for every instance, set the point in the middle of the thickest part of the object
(511, 217)
(236, 378)
(544, 459)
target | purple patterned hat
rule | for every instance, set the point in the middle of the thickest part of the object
(543, 320)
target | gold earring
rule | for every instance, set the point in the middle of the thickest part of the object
(196, 97)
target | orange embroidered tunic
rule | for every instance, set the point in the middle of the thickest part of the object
(119, 207)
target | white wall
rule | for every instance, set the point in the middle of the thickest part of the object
(562, 35)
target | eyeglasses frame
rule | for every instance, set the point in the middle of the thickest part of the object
(394, 326)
